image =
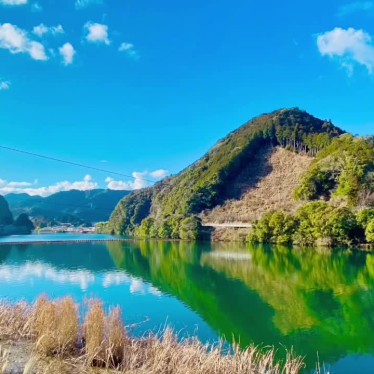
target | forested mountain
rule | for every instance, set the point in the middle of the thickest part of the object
(9, 226)
(174, 207)
(75, 207)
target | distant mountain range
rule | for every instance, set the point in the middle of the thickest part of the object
(75, 207)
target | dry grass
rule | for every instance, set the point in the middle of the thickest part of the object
(51, 328)
(56, 326)
(94, 333)
(116, 338)
(267, 183)
(15, 322)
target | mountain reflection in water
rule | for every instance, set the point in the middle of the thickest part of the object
(312, 300)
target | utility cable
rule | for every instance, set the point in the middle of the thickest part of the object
(72, 163)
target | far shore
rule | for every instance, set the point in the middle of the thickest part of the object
(65, 241)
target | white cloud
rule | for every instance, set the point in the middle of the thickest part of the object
(16, 40)
(13, 2)
(42, 29)
(80, 4)
(97, 33)
(348, 46)
(141, 180)
(354, 7)
(129, 49)
(4, 85)
(37, 51)
(136, 184)
(159, 174)
(36, 7)
(26, 187)
(19, 184)
(67, 52)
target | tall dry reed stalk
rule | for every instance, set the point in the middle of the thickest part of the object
(56, 326)
(116, 338)
(93, 335)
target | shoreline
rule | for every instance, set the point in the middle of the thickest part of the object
(364, 247)
(65, 241)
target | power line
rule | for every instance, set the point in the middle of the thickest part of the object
(72, 163)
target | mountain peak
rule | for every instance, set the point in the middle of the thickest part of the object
(167, 210)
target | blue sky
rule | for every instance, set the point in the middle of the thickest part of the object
(147, 87)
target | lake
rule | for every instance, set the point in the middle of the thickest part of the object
(310, 299)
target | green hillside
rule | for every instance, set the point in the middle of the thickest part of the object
(171, 208)
(342, 171)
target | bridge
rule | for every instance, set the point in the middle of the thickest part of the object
(235, 225)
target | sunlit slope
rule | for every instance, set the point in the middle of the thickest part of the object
(268, 184)
(226, 172)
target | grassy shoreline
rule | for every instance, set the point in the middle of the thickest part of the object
(49, 337)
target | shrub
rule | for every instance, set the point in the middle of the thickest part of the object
(321, 223)
(364, 217)
(369, 232)
(190, 228)
(317, 223)
(274, 227)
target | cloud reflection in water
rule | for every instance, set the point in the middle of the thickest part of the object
(80, 277)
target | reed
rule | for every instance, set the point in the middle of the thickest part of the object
(53, 330)
(56, 326)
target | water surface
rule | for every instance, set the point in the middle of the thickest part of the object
(312, 300)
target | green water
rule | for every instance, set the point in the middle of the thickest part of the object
(312, 300)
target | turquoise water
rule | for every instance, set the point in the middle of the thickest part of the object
(312, 300)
